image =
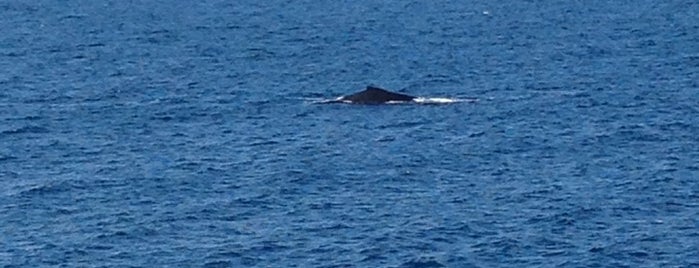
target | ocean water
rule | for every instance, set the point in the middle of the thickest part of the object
(184, 134)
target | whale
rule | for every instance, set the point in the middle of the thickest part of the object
(374, 95)
(377, 95)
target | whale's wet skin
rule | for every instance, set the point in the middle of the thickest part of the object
(377, 95)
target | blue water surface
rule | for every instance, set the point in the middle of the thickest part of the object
(184, 134)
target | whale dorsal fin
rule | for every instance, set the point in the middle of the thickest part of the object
(376, 95)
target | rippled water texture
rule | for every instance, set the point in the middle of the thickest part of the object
(171, 133)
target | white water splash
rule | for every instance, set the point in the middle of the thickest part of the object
(427, 100)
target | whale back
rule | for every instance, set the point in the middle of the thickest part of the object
(375, 95)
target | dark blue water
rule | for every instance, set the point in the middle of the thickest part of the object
(166, 133)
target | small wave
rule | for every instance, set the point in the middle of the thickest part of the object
(6, 157)
(25, 130)
(422, 263)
